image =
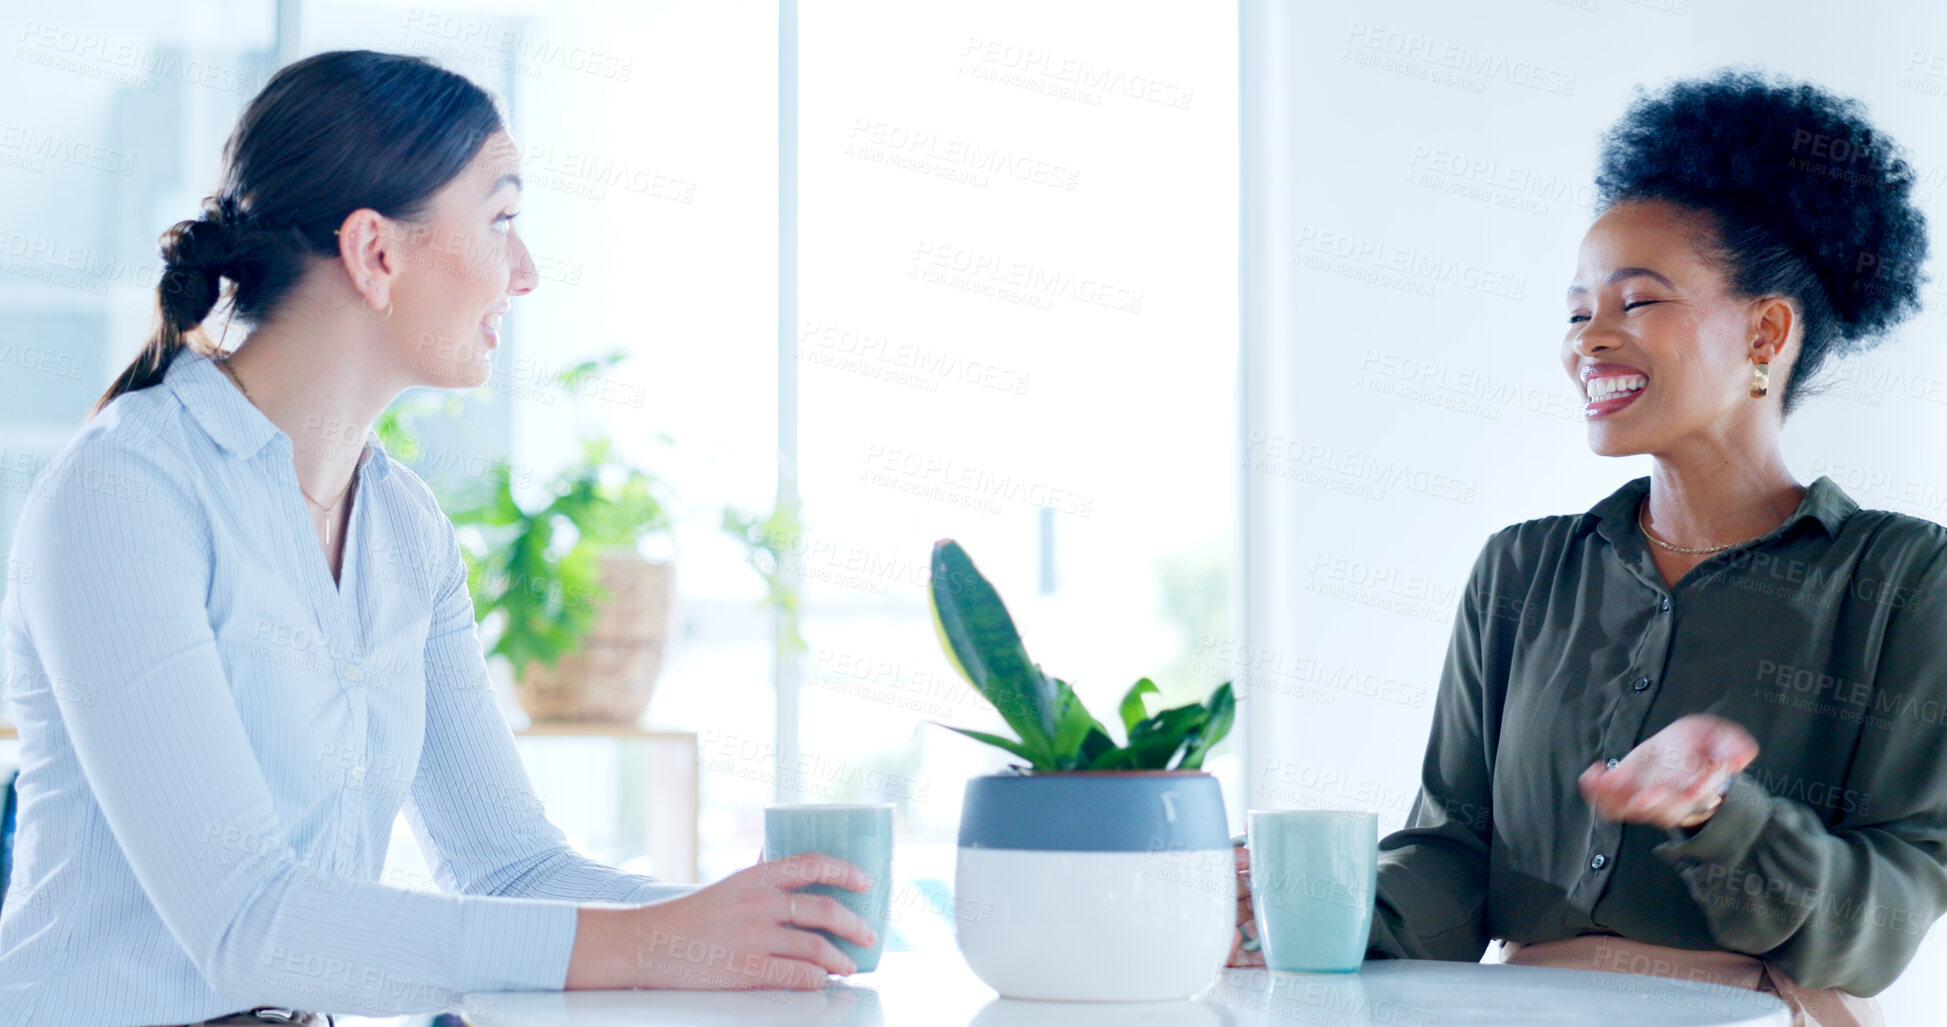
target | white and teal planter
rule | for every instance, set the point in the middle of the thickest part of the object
(1087, 886)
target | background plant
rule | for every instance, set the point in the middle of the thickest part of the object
(539, 565)
(766, 541)
(1055, 731)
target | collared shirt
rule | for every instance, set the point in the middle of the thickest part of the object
(216, 738)
(1826, 638)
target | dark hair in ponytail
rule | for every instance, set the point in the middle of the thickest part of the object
(330, 134)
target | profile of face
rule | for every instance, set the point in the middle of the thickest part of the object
(451, 275)
(1662, 351)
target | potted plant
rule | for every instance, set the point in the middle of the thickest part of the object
(584, 614)
(584, 617)
(1102, 871)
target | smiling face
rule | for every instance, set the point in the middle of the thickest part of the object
(1661, 350)
(461, 265)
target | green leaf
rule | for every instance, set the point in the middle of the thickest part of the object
(771, 537)
(1005, 743)
(1073, 727)
(1097, 743)
(1111, 759)
(1132, 703)
(1177, 722)
(1153, 742)
(982, 644)
(1151, 752)
(1154, 752)
(1223, 713)
(571, 378)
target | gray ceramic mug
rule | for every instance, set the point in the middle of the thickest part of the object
(858, 834)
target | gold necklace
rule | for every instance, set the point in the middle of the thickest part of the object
(224, 363)
(1643, 511)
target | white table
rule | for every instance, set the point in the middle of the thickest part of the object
(937, 990)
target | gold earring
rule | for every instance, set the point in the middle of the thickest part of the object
(1760, 379)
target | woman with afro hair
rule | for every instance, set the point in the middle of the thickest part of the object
(1696, 731)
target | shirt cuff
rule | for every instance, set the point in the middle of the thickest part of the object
(516, 944)
(1728, 835)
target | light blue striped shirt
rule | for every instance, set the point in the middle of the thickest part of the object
(216, 738)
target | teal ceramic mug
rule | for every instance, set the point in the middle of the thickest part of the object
(1314, 874)
(858, 834)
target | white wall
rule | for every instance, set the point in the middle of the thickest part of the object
(1364, 149)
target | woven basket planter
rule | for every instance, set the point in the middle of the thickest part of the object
(610, 678)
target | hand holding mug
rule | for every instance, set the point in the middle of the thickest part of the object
(1244, 948)
(756, 928)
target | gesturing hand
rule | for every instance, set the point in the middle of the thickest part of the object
(1674, 779)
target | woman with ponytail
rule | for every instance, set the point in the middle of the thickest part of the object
(248, 642)
(196, 255)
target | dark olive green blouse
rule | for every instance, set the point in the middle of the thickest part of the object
(1826, 639)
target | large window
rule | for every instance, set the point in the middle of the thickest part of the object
(1015, 327)
(996, 346)
(990, 346)
(116, 117)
